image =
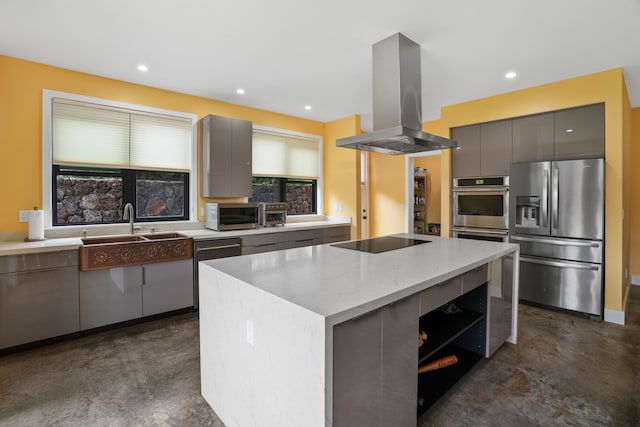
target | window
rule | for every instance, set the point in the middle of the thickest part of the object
(286, 169)
(103, 155)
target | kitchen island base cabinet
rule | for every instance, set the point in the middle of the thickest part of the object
(374, 367)
(332, 338)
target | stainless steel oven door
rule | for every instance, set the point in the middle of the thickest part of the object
(481, 208)
(480, 234)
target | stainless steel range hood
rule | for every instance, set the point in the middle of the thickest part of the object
(397, 103)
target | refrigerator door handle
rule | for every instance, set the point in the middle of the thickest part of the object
(559, 264)
(556, 242)
(554, 199)
(545, 199)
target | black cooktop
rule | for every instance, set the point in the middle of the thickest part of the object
(380, 244)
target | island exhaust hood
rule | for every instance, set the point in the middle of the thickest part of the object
(397, 103)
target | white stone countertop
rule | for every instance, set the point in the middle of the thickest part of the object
(340, 284)
(15, 245)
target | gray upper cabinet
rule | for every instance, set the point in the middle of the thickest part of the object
(226, 157)
(484, 149)
(579, 133)
(495, 148)
(465, 160)
(533, 138)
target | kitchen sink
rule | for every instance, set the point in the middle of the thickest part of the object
(102, 252)
(104, 240)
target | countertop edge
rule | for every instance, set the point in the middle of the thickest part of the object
(20, 247)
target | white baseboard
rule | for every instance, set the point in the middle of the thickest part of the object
(635, 280)
(615, 316)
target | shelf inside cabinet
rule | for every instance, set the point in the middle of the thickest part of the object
(443, 328)
(433, 385)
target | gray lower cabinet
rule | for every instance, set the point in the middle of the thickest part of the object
(38, 297)
(376, 355)
(257, 243)
(110, 296)
(399, 361)
(125, 293)
(337, 234)
(278, 239)
(300, 238)
(167, 286)
(357, 358)
(500, 303)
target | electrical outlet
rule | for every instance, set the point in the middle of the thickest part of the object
(251, 333)
(23, 216)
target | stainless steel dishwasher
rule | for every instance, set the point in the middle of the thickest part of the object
(212, 249)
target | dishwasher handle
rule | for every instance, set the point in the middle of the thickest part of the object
(215, 248)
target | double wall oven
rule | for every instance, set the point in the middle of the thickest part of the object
(481, 208)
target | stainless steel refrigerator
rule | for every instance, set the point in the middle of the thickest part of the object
(557, 216)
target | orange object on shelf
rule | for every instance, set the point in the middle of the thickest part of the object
(438, 364)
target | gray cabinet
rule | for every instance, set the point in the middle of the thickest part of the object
(357, 355)
(575, 133)
(278, 240)
(257, 243)
(533, 138)
(110, 296)
(375, 362)
(376, 355)
(38, 297)
(119, 294)
(226, 157)
(483, 149)
(465, 160)
(495, 148)
(500, 303)
(167, 286)
(399, 381)
(579, 133)
(300, 238)
(336, 234)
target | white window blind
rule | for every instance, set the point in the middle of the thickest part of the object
(284, 156)
(85, 134)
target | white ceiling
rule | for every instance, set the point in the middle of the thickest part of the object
(290, 53)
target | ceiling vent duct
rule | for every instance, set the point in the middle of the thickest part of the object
(397, 103)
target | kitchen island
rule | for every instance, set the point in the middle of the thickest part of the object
(325, 335)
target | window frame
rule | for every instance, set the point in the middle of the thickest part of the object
(47, 152)
(319, 185)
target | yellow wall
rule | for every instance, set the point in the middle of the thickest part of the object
(386, 201)
(341, 172)
(21, 85)
(634, 202)
(606, 86)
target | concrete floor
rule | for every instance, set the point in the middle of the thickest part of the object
(565, 370)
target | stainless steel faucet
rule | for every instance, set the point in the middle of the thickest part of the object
(128, 215)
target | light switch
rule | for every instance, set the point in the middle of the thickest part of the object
(23, 216)
(251, 333)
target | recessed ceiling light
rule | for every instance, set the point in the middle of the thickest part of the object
(143, 67)
(511, 75)
(569, 130)
(240, 91)
(307, 107)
